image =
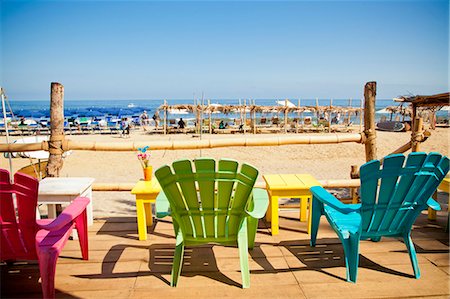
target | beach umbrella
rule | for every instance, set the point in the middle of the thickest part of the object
(286, 103)
(178, 111)
(92, 113)
(383, 111)
(30, 122)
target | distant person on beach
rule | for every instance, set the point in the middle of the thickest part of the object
(221, 125)
(155, 117)
(181, 124)
(144, 118)
(125, 124)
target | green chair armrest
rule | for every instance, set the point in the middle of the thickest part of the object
(259, 203)
(325, 197)
(433, 204)
(162, 205)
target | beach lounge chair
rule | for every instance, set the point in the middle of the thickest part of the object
(25, 238)
(36, 170)
(275, 121)
(391, 199)
(225, 209)
(263, 121)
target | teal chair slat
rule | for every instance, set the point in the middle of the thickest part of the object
(392, 197)
(211, 203)
(389, 176)
(412, 165)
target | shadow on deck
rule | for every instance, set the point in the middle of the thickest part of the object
(282, 266)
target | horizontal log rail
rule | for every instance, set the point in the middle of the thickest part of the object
(351, 183)
(187, 144)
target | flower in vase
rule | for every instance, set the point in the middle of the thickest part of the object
(143, 156)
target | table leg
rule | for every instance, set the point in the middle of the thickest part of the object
(274, 214)
(89, 210)
(309, 215)
(142, 226)
(148, 213)
(303, 207)
(269, 209)
(51, 211)
(431, 212)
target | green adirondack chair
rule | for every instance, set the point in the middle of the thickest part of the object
(213, 204)
(391, 199)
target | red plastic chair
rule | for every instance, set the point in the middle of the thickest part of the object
(25, 238)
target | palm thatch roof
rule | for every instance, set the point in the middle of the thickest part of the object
(226, 109)
(437, 100)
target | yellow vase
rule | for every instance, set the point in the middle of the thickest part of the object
(148, 173)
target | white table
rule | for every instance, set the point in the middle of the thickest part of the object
(53, 191)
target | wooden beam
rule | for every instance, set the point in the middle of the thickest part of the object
(55, 161)
(370, 92)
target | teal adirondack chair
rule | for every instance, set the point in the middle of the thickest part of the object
(213, 204)
(391, 199)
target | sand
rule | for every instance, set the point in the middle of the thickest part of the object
(330, 161)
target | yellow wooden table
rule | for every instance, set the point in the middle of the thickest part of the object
(444, 186)
(288, 185)
(146, 193)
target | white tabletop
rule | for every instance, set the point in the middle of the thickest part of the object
(64, 186)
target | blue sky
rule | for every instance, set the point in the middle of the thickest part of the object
(233, 49)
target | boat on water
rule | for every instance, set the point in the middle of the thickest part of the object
(131, 105)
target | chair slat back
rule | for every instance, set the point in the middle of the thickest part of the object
(393, 195)
(207, 202)
(18, 233)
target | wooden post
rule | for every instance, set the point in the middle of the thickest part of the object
(413, 116)
(55, 161)
(354, 174)
(209, 117)
(361, 109)
(254, 116)
(370, 92)
(285, 116)
(298, 117)
(165, 117)
(329, 116)
(317, 111)
(244, 121)
(416, 135)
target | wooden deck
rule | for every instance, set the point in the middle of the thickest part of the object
(284, 266)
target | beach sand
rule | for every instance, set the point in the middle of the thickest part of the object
(329, 161)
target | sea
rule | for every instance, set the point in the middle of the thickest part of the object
(39, 109)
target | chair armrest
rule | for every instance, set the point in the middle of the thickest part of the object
(325, 197)
(162, 205)
(68, 215)
(433, 204)
(259, 203)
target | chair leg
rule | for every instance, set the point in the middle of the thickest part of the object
(243, 254)
(351, 251)
(412, 254)
(81, 226)
(317, 208)
(177, 259)
(47, 267)
(252, 227)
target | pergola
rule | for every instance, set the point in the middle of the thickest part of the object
(434, 102)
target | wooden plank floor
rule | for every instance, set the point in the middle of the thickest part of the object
(283, 266)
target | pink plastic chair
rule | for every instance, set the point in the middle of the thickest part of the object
(25, 238)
